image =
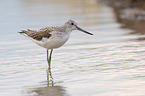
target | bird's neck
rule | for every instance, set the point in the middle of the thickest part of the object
(63, 29)
(67, 29)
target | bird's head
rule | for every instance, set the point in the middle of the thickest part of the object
(72, 25)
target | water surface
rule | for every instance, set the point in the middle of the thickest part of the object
(109, 63)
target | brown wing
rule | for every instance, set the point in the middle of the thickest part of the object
(38, 35)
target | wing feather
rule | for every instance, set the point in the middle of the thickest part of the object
(38, 35)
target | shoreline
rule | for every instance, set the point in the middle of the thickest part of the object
(130, 13)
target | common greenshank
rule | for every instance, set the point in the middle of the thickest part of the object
(52, 37)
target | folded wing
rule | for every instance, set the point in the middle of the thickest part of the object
(37, 35)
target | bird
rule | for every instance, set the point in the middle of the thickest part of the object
(52, 37)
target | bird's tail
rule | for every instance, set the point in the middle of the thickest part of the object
(23, 32)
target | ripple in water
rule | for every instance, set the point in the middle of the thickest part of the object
(111, 62)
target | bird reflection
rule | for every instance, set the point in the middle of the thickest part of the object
(50, 89)
(49, 77)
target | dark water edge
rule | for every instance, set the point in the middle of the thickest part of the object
(131, 13)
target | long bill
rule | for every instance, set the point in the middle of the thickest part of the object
(83, 30)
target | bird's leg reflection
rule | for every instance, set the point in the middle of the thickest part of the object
(49, 74)
(49, 78)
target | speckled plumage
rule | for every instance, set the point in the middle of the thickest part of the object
(38, 35)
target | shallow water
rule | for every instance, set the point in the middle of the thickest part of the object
(109, 63)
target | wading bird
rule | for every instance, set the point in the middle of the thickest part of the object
(52, 37)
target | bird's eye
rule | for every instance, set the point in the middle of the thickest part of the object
(72, 23)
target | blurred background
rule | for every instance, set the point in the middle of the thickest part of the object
(109, 63)
(129, 12)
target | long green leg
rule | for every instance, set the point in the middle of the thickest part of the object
(49, 60)
(47, 57)
(49, 66)
(50, 63)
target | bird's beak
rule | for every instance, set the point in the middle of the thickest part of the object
(78, 28)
